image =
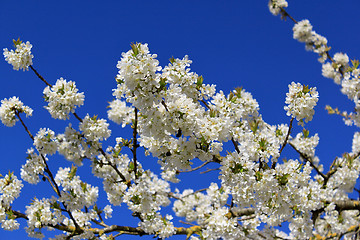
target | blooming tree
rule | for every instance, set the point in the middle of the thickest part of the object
(176, 118)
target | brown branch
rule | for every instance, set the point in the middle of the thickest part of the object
(285, 14)
(19, 214)
(123, 230)
(235, 145)
(135, 143)
(77, 117)
(39, 76)
(196, 168)
(26, 129)
(308, 159)
(209, 170)
(285, 142)
(114, 167)
(205, 103)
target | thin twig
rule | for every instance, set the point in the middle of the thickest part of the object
(196, 168)
(209, 170)
(77, 117)
(285, 142)
(135, 144)
(37, 74)
(235, 145)
(205, 103)
(191, 224)
(309, 160)
(26, 129)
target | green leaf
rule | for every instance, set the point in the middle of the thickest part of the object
(306, 89)
(136, 199)
(199, 82)
(83, 186)
(238, 91)
(17, 42)
(283, 179)
(254, 125)
(258, 175)
(72, 172)
(135, 48)
(262, 144)
(306, 133)
(213, 113)
(56, 205)
(172, 60)
(238, 168)
(131, 166)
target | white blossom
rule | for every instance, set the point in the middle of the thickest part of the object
(120, 113)
(21, 58)
(301, 101)
(75, 193)
(62, 98)
(34, 166)
(45, 141)
(9, 109)
(94, 129)
(276, 5)
(302, 31)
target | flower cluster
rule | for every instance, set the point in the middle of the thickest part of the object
(44, 212)
(314, 42)
(301, 101)
(10, 188)
(276, 5)
(120, 113)
(75, 194)
(72, 146)
(9, 109)
(62, 98)
(138, 72)
(94, 129)
(21, 58)
(180, 120)
(45, 141)
(33, 167)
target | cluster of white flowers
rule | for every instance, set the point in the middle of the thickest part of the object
(10, 188)
(45, 141)
(335, 222)
(120, 113)
(336, 69)
(113, 183)
(160, 226)
(9, 109)
(44, 212)
(314, 42)
(276, 5)
(196, 206)
(63, 98)
(94, 129)
(21, 58)
(33, 167)
(75, 194)
(301, 101)
(306, 144)
(71, 145)
(148, 194)
(356, 143)
(177, 118)
(138, 72)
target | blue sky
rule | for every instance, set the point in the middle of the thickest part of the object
(232, 43)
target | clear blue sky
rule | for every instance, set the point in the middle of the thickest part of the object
(232, 43)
